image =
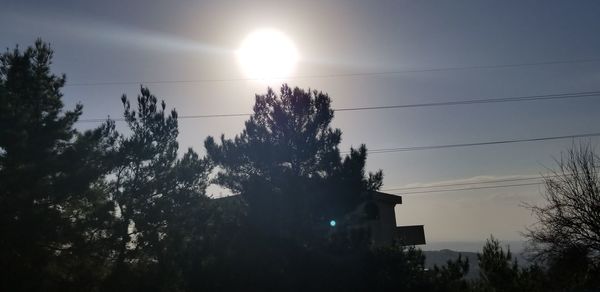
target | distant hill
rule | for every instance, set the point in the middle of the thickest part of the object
(440, 257)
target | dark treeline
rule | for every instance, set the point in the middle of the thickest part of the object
(105, 211)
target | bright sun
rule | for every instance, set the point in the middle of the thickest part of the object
(267, 54)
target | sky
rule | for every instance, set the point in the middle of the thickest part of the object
(128, 43)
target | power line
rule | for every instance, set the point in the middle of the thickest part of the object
(477, 101)
(467, 183)
(542, 177)
(339, 75)
(468, 189)
(431, 147)
(556, 96)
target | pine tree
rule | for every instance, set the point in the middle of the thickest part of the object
(159, 198)
(42, 184)
(287, 165)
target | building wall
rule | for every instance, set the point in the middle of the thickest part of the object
(383, 230)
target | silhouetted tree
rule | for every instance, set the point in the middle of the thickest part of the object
(397, 268)
(46, 173)
(287, 166)
(571, 218)
(159, 199)
(105, 211)
(450, 277)
(497, 269)
(573, 270)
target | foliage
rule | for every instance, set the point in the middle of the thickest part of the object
(159, 198)
(396, 267)
(570, 218)
(102, 211)
(451, 277)
(567, 232)
(573, 270)
(500, 272)
(496, 267)
(287, 165)
(88, 211)
(44, 197)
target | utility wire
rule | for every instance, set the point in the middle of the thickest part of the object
(541, 177)
(431, 147)
(556, 96)
(477, 101)
(468, 183)
(339, 75)
(468, 189)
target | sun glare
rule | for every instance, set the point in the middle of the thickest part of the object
(267, 54)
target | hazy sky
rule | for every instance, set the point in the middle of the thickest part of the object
(123, 41)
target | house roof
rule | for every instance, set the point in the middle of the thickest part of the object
(386, 198)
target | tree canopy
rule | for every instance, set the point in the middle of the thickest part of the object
(570, 217)
(44, 168)
(159, 199)
(107, 209)
(567, 231)
(287, 165)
